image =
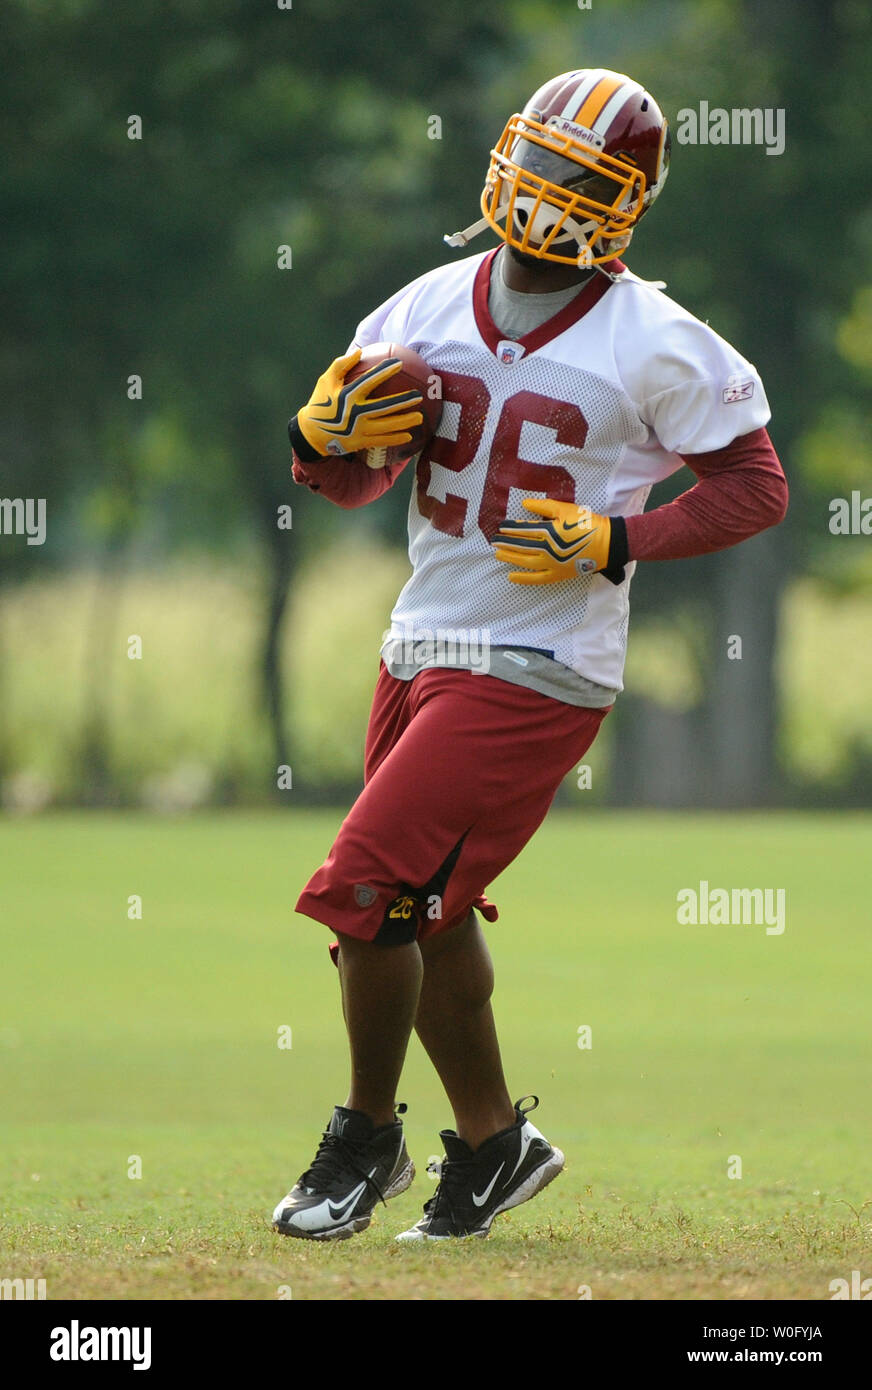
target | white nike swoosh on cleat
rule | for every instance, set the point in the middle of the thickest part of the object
(340, 1210)
(326, 1214)
(480, 1201)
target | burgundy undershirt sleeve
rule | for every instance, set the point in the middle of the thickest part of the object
(740, 490)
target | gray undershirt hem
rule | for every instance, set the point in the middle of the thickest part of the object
(517, 665)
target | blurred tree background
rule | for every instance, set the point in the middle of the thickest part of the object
(159, 258)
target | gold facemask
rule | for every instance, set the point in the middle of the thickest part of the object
(591, 223)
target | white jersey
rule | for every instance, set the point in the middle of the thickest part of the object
(593, 407)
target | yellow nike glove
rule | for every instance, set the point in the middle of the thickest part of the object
(565, 541)
(341, 418)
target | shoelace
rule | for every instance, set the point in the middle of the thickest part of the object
(452, 1179)
(334, 1156)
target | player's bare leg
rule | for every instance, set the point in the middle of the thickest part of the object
(455, 1023)
(381, 986)
(497, 1159)
(362, 1157)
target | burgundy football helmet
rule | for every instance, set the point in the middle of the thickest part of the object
(572, 174)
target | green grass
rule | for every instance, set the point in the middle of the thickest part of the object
(157, 1038)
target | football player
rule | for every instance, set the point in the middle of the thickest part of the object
(570, 387)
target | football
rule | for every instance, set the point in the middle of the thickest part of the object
(415, 375)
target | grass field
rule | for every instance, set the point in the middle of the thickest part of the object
(158, 1038)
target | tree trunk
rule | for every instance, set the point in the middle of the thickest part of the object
(282, 565)
(104, 649)
(740, 706)
(660, 757)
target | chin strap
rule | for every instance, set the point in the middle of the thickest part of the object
(465, 237)
(625, 279)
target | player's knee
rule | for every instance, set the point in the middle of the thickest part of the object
(479, 985)
(461, 961)
(474, 983)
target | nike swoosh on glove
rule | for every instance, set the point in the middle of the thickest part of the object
(341, 418)
(564, 541)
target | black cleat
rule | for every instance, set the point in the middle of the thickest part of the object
(508, 1169)
(356, 1166)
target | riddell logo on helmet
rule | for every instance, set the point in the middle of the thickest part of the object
(578, 132)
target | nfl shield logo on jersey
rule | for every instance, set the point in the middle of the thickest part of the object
(509, 352)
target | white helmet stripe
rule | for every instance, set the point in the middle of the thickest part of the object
(612, 107)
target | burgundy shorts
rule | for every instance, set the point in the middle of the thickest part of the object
(460, 770)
